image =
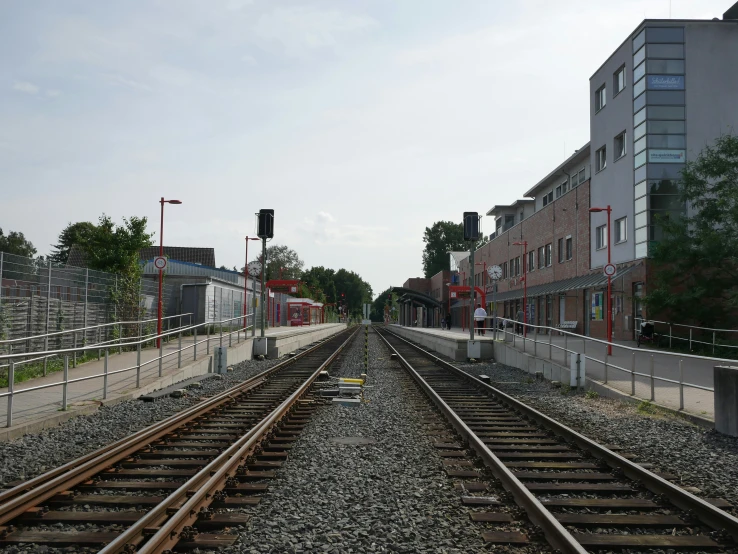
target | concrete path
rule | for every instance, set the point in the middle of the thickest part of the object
(44, 403)
(625, 354)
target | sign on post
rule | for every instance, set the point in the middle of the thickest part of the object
(609, 270)
(160, 263)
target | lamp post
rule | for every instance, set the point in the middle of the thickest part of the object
(161, 272)
(484, 283)
(246, 284)
(608, 312)
(524, 244)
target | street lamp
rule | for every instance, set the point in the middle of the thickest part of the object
(245, 286)
(484, 284)
(524, 244)
(608, 209)
(161, 272)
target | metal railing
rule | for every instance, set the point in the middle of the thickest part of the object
(540, 339)
(690, 338)
(225, 330)
(102, 330)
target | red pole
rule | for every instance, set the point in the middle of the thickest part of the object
(609, 289)
(245, 284)
(161, 253)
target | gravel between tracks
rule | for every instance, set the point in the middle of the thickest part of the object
(391, 496)
(701, 458)
(33, 454)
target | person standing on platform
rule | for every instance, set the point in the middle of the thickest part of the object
(480, 316)
(520, 317)
(448, 321)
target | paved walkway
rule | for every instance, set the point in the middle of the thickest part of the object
(626, 355)
(43, 403)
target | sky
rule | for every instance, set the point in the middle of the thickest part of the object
(360, 122)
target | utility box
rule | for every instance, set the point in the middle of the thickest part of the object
(221, 359)
(260, 346)
(725, 379)
(474, 349)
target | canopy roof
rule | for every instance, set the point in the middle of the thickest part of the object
(422, 298)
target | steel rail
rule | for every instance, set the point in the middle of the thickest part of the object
(555, 533)
(205, 483)
(15, 501)
(710, 515)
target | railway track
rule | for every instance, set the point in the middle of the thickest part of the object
(176, 485)
(582, 495)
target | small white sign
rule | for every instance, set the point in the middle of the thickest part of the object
(160, 262)
(610, 270)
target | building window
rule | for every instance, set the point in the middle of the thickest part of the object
(548, 254)
(600, 98)
(558, 191)
(618, 81)
(621, 230)
(560, 248)
(619, 150)
(541, 257)
(569, 248)
(600, 238)
(504, 270)
(517, 265)
(582, 176)
(564, 186)
(531, 261)
(601, 158)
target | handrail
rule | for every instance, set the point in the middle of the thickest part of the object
(142, 341)
(685, 325)
(80, 329)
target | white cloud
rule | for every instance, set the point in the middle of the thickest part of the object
(52, 93)
(249, 59)
(119, 80)
(26, 87)
(300, 29)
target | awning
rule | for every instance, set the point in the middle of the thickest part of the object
(410, 294)
(592, 280)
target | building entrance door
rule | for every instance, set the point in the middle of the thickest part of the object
(562, 308)
(587, 312)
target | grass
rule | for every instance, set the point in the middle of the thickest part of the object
(33, 370)
(646, 408)
(591, 394)
(565, 388)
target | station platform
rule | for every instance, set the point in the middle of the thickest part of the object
(451, 343)
(551, 357)
(41, 409)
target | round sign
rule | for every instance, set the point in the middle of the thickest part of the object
(494, 272)
(160, 262)
(254, 268)
(609, 270)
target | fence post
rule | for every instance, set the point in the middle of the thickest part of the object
(74, 345)
(713, 343)
(653, 390)
(633, 374)
(535, 342)
(550, 355)
(84, 316)
(179, 352)
(120, 338)
(11, 383)
(105, 376)
(48, 314)
(194, 344)
(606, 359)
(566, 346)
(65, 385)
(579, 371)
(690, 339)
(99, 350)
(221, 333)
(161, 356)
(230, 332)
(681, 385)
(669, 335)
(207, 342)
(138, 365)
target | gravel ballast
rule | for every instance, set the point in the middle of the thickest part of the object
(390, 496)
(33, 454)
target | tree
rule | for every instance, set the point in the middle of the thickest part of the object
(354, 289)
(384, 299)
(15, 243)
(440, 239)
(695, 261)
(284, 258)
(114, 248)
(73, 233)
(322, 279)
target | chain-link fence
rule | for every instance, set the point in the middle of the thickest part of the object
(38, 297)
